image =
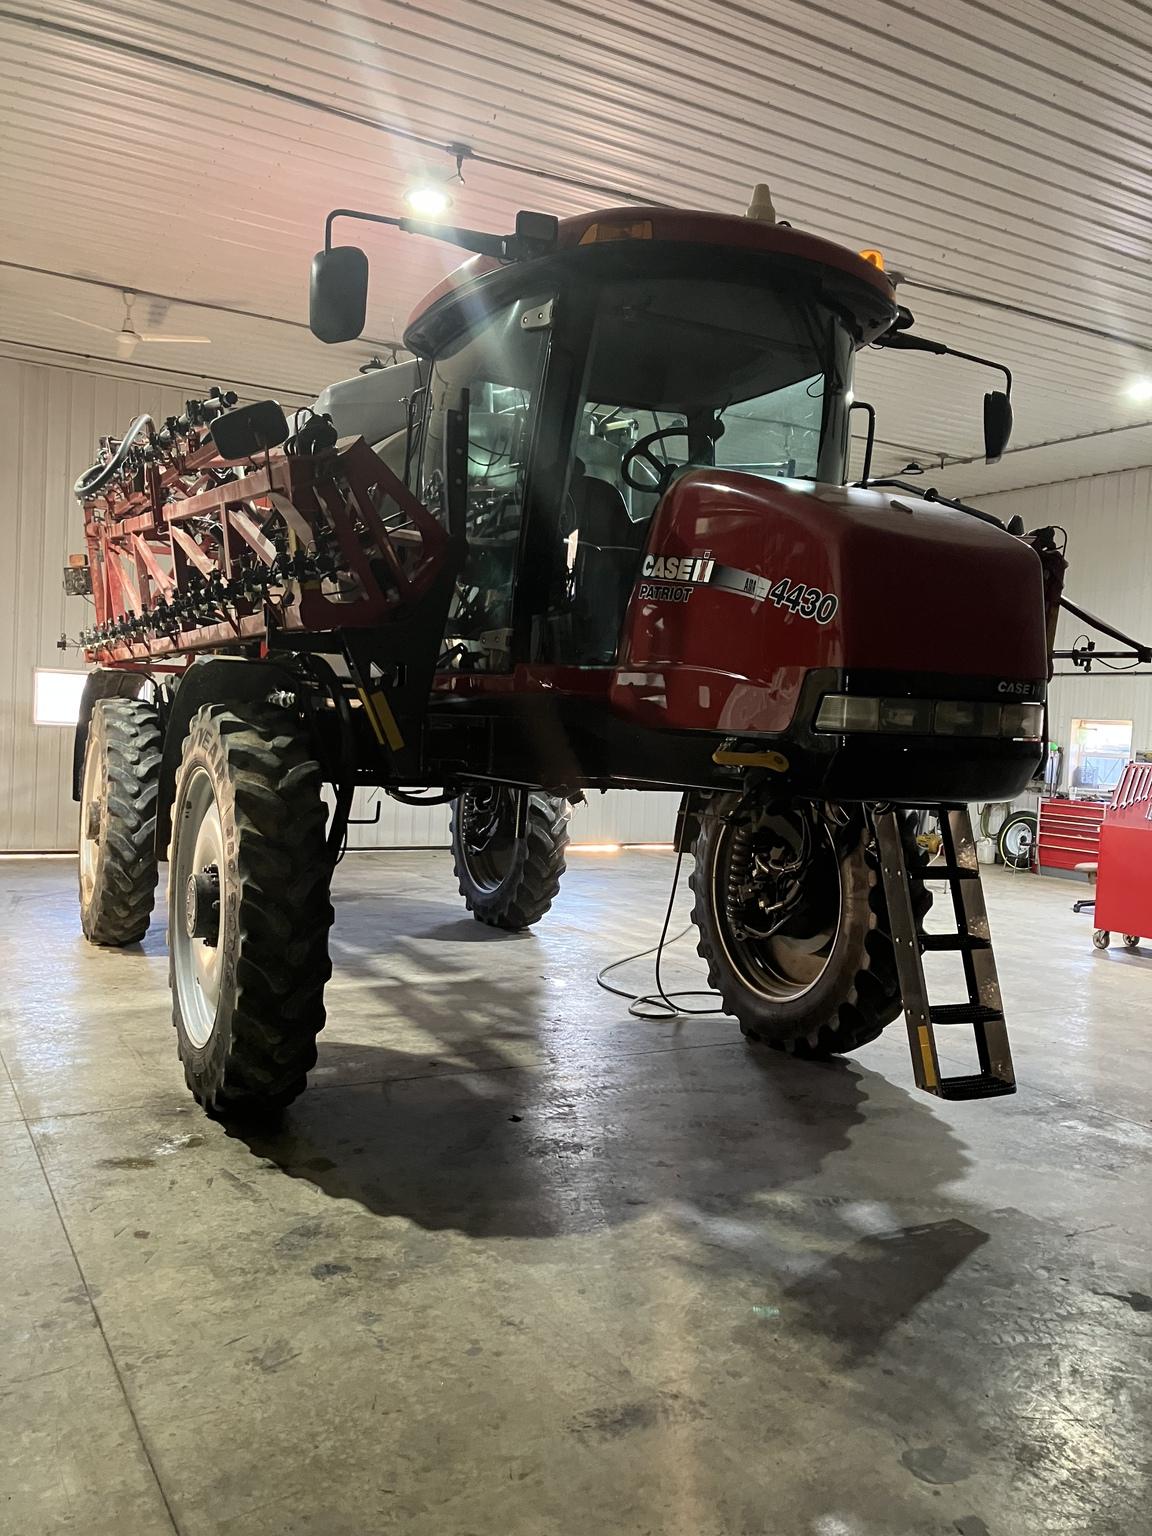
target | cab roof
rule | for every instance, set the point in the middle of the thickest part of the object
(679, 226)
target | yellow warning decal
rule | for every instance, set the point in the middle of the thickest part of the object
(728, 757)
(383, 720)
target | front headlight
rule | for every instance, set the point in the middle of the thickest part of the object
(844, 714)
(1022, 722)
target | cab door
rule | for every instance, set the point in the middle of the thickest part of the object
(494, 375)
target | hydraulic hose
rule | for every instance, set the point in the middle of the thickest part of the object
(96, 478)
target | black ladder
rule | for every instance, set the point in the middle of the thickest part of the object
(972, 940)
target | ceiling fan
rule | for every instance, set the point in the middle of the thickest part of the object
(128, 338)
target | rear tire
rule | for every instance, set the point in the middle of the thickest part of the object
(117, 858)
(830, 984)
(508, 881)
(248, 909)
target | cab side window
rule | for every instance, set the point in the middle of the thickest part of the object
(497, 372)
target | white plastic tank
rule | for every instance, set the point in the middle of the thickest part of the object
(372, 405)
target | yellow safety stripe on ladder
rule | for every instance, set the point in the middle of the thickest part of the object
(931, 1081)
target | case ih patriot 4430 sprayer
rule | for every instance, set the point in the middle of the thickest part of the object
(596, 534)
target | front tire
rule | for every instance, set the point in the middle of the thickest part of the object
(508, 881)
(117, 855)
(793, 925)
(248, 909)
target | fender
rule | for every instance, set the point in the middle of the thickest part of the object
(223, 680)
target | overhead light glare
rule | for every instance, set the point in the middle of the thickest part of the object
(1140, 389)
(428, 200)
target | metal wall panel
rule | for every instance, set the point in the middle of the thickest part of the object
(1109, 523)
(49, 427)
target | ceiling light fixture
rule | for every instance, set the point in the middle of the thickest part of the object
(429, 200)
(1140, 389)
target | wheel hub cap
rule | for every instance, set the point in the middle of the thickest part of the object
(199, 883)
(202, 905)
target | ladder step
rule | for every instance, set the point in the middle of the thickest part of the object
(981, 1085)
(963, 1013)
(962, 941)
(947, 872)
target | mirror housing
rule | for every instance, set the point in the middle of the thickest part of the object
(997, 424)
(249, 430)
(537, 234)
(338, 293)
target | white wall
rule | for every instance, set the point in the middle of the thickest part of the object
(50, 421)
(1109, 523)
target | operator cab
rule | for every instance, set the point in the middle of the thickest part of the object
(594, 377)
(684, 372)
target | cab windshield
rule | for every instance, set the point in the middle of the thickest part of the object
(738, 376)
(732, 375)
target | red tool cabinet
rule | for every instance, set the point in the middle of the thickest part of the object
(1069, 833)
(1124, 880)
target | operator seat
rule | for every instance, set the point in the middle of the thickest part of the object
(608, 545)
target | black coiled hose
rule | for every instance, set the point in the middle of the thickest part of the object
(96, 478)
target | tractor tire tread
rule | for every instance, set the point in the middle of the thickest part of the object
(125, 889)
(532, 885)
(284, 911)
(874, 998)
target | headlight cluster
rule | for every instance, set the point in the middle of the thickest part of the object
(843, 712)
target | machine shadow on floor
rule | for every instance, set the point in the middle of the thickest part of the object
(505, 1109)
(717, 1143)
(545, 1128)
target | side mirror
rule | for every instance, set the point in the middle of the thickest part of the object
(338, 293)
(243, 433)
(997, 424)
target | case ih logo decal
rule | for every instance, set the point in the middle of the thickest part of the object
(1023, 690)
(678, 568)
(672, 579)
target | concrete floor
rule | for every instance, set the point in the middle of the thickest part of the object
(521, 1265)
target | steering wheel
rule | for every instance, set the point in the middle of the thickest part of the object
(660, 470)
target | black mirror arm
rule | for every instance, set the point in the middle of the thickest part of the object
(904, 341)
(985, 362)
(503, 247)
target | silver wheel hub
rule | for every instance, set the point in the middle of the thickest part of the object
(779, 904)
(202, 906)
(199, 881)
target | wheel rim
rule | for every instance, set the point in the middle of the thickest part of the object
(91, 820)
(1017, 842)
(488, 834)
(197, 955)
(780, 954)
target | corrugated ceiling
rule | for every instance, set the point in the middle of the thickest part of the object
(194, 151)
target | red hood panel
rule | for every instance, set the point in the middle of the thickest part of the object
(805, 577)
